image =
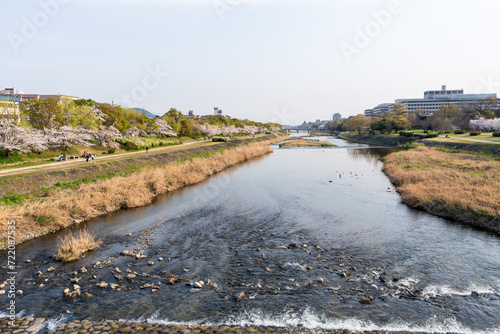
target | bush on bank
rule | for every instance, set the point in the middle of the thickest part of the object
(424, 135)
(219, 139)
(406, 133)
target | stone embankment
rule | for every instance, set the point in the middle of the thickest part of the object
(40, 325)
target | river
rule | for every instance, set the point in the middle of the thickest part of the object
(355, 257)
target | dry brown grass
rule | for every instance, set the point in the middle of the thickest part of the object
(464, 187)
(73, 246)
(62, 206)
(301, 142)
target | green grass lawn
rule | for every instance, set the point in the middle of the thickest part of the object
(458, 140)
(482, 136)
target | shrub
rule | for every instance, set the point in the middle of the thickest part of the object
(72, 247)
(496, 134)
(142, 142)
(419, 135)
(426, 135)
(409, 146)
(219, 139)
(130, 145)
(12, 198)
(475, 133)
(43, 220)
(268, 133)
(459, 132)
(406, 133)
(112, 150)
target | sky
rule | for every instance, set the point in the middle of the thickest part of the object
(284, 61)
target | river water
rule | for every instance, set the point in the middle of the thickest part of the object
(356, 257)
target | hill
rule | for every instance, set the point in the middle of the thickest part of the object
(145, 112)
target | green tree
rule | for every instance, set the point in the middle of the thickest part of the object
(375, 124)
(185, 129)
(42, 114)
(83, 103)
(114, 114)
(396, 118)
(80, 115)
(488, 114)
(445, 118)
(357, 123)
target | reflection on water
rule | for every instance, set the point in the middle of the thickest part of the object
(314, 237)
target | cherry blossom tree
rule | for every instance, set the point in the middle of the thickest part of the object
(16, 138)
(164, 129)
(484, 124)
(77, 135)
(251, 130)
(105, 135)
(209, 131)
(135, 132)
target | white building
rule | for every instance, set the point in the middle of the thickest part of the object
(433, 99)
(380, 109)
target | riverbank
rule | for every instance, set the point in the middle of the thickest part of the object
(62, 205)
(378, 140)
(460, 186)
(31, 325)
(397, 140)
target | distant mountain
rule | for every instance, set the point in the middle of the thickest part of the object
(145, 112)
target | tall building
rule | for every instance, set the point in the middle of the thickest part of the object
(435, 98)
(218, 112)
(336, 116)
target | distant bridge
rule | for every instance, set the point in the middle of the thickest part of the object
(299, 129)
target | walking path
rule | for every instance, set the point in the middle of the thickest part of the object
(475, 140)
(81, 161)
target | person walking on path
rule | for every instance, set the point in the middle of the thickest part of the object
(147, 148)
(87, 155)
(92, 156)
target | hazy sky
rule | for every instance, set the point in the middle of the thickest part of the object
(284, 61)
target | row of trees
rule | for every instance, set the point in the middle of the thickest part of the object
(448, 117)
(212, 126)
(86, 122)
(395, 119)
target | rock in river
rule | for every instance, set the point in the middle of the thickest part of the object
(240, 296)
